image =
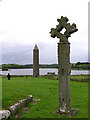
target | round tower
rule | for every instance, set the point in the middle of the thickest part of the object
(35, 61)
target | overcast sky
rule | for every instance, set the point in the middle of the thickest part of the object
(24, 23)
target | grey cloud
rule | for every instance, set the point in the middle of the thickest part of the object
(23, 54)
(20, 54)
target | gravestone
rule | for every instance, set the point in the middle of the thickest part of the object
(35, 61)
(64, 68)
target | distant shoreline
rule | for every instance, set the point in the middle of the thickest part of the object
(74, 66)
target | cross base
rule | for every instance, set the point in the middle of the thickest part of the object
(70, 113)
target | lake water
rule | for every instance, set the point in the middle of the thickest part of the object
(42, 71)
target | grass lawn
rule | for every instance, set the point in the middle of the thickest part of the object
(47, 91)
(80, 78)
(0, 93)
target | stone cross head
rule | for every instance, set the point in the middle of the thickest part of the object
(55, 32)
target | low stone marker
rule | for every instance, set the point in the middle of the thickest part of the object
(5, 114)
(13, 109)
(50, 73)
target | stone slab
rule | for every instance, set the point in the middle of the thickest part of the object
(36, 99)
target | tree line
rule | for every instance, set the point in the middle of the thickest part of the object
(78, 65)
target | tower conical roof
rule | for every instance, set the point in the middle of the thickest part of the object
(36, 48)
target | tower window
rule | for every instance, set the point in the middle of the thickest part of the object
(62, 71)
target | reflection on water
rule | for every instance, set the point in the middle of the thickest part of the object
(41, 71)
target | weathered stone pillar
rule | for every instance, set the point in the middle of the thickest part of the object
(64, 76)
(64, 68)
(35, 61)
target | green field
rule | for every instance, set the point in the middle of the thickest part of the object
(0, 93)
(47, 91)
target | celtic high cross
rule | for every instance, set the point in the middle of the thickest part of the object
(64, 66)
